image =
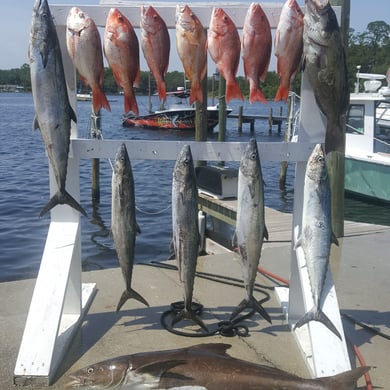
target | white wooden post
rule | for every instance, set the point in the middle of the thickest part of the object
(60, 299)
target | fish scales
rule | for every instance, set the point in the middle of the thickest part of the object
(325, 66)
(121, 49)
(191, 43)
(53, 112)
(203, 366)
(316, 234)
(256, 50)
(124, 226)
(288, 46)
(85, 49)
(185, 229)
(156, 45)
(250, 226)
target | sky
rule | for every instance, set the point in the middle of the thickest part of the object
(15, 20)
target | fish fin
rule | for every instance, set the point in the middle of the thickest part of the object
(62, 198)
(137, 228)
(73, 115)
(162, 92)
(35, 123)
(128, 294)
(265, 232)
(130, 102)
(334, 240)
(318, 315)
(256, 95)
(196, 93)
(252, 304)
(152, 372)
(189, 315)
(99, 100)
(282, 93)
(346, 380)
(233, 91)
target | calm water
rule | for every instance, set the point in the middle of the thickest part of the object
(24, 188)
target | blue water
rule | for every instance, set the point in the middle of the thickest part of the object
(24, 187)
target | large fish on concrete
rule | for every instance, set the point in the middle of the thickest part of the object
(53, 113)
(156, 45)
(191, 43)
(250, 226)
(121, 49)
(224, 46)
(256, 50)
(325, 66)
(288, 46)
(123, 221)
(316, 233)
(203, 366)
(85, 49)
(185, 230)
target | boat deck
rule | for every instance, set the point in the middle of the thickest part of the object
(360, 269)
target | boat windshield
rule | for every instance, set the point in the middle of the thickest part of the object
(355, 119)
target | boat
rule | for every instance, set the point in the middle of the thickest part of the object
(367, 147)
(176, 117)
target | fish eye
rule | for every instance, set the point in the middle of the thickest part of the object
(253, 156)
(90, 370)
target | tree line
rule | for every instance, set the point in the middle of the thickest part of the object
(369, 49)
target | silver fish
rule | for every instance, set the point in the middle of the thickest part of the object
(203, 366)
(316, 234)
(250, 226)
(53, 113)
(185, 240)
(325, 65)
(123, 221)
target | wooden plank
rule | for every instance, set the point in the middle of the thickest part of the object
(208, 151)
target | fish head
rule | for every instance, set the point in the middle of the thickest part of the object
(185, 18)
(318, 6)
(122, 160)
(250, 161)
(151, 20)
(103, 375)
(220, 22)
(316, 166)
(116, 24)
(184, 167)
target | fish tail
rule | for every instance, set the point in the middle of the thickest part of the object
(334, 137)
(128, 294)
(62, 198)
(282, 93)
(233, 91)
(346, 380)
(162, 92)
(256, 95)
(253, 304)
(318, 315)
(189, 315)
(196, 94)
(99, 100)
(130, 102)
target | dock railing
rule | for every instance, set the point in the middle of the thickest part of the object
(60, 300)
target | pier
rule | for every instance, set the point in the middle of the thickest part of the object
(271, 118)
(360, 260)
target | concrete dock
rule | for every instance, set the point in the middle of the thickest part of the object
(360, 268)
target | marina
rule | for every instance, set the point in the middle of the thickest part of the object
(65, 319)
(106, 334)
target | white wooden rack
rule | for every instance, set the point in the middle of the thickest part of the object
(60, 300)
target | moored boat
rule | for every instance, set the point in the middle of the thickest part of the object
(177, 117)
(367, 150)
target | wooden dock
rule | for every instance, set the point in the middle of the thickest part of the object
(271, 118)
